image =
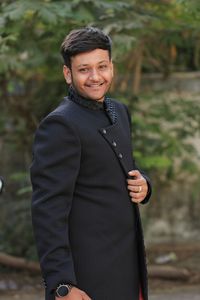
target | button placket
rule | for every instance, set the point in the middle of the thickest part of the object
(120, 155)
(113, 139)
(114, 144)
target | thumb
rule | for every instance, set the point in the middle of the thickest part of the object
(85, 297)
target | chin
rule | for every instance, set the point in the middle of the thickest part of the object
(97, 98)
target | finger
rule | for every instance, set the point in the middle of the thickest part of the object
(134, 200)
(136, 181)
(135, 173)
(137, 197)
(135, 188)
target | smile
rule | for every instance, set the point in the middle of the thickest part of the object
(95, 85)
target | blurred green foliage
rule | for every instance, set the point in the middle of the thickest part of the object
(147, 36)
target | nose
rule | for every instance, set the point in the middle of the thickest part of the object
(94, 75)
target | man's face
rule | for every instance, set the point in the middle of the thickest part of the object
(91, 74)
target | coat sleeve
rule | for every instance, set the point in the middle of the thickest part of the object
(149, 192)
(54, 169)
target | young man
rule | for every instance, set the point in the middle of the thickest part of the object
(86, 187)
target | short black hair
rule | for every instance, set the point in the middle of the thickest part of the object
(84, 40)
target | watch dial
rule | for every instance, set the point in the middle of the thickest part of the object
(63, 291)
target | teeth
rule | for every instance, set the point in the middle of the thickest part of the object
(96, 85)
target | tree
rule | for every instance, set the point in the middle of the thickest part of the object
(147, 36)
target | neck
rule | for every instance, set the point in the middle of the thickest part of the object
(86, 102)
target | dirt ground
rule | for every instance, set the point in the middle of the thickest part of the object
(163, 291)
(26, 286)
(182, 292)
(182, 256)
(185, 294)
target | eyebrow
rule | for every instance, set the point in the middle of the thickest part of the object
(85, 65)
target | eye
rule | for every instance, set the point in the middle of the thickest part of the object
(83, 70)
(103, 67)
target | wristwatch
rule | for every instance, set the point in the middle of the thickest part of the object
(63, 290)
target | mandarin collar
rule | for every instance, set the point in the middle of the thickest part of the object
(107, 105)
(88, 103)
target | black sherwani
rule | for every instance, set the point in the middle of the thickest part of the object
(88, 232)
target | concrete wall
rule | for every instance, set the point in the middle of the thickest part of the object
(174, 214)
(180, 82)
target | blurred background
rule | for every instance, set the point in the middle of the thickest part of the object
(156, 53)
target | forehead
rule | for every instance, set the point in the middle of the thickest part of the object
(90, 58)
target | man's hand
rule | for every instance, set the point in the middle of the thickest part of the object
(75, 294)
(137, 186)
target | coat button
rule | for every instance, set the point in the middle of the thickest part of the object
(104, 131)
(114, 144)
(120, 155)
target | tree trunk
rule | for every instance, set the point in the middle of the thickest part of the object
(138, 69)
(169, 272)
(161, 272)
(18, 263)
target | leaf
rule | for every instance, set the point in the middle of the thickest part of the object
(83, 14)
(25, 190)
(2, 21)
(47, 15)
(153, 161)
(19, 176)
(15, 10)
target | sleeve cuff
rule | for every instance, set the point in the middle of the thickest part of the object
(149, 192)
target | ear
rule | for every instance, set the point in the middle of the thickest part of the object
(67, 74)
